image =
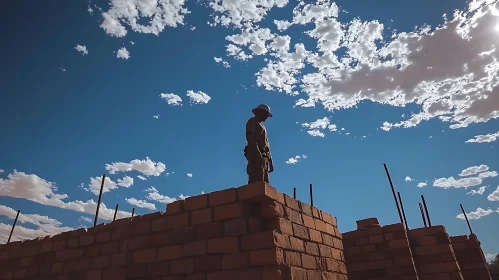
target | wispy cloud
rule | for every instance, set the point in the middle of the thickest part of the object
(494, 196)
(189, 175)
(480, 191)
(487, 138)
(141, 203)
(147, 167)
(479, 213)
(295, 159)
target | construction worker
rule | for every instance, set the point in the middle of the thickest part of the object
(257, 151)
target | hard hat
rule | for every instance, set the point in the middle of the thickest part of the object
(264, 107)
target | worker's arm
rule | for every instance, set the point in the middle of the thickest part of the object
(271, 163)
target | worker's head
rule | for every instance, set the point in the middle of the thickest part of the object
(262, 112)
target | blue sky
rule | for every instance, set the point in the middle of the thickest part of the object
(159, 105)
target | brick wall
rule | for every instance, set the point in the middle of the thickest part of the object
(248, 233)
(470, 257)
(433, 253)
(375, 252)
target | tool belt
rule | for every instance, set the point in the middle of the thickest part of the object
(265, 153)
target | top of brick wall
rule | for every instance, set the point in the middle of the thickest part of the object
(219, 200)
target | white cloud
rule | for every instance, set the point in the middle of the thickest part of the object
(487, 138)
(223, 62)
(126, 182)
(95, 184)
(141, 203)
(316, 127)
(408, 179)
(146, 167)
(422, 184)
(476, 215)
(156, 116)
(131, 42)
(451, 71)
(474, 170)
(242, 14)
(90, 10)
(123, 53)
(153, 194)
(172, 99)
(82, 49)
(480, 191)
(189, 175)
(159, 14)
(494, 196)
(43, 225)
(295, 159)
(142, 177)
(2, 171)
(490, 257)
(86, 219)
(36, 189)
(198, 97)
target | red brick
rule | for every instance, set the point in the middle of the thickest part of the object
(330, 229)
(103, 236)
(255, 224)
(276, 273)
(235, 227)
(223, 245)
(182, 266)
(196, 202)
(308, 221)
(299, 274)
(136, 271)
(325, 251)
(170, 252)
(376, 238)
(311, 248)
(94, 275)
(316, 213)
(175, 207)
(427, 240)
(305, 208)
(292, 203)
(320, 225)
(207, 263)
(315, 236)
(281, 225)
(230, 211)
(27, 261)
(267, 257)
(194, 249)
(119, 259)
(248, 274)
(300, 231)
(222, 197)
(367, 222)
(196, 276)
(236, 260)
(293, 259)
(114, 273)
(293, 216)
(142, 227)
(439, 268)
(296, 244)
(138, 242)
(101, 261)
(199, 217)
(183, 235)
(85, 240)
(225, 275)
(170, 222)
(266, 239)
(328, 218)
(308, 262)
(258, 192)
(433, 249)
(314, 275)
(144, 256)
(208, 231)
(73, 242)
(66, 255)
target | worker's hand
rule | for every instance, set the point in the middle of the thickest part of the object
(271, 167)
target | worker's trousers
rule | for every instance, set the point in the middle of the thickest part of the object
(257, 171)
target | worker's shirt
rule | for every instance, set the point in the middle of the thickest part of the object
(255, 127)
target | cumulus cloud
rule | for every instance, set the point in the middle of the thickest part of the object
(40, 225)
(156, 116)
(222, 61)
(142, 177)
(480, 191)
(494, 196)
(189, 175)
(472, 170)
(295, 159)
(36, 189)
(159, 14)
(487, 138)
(82, 49)
(141, 203)
(96, 182)
(171, 99)
(153, 194)
(147, 167)
(242, 14)
(198, 97)
(490, 257)
(86, 219)
(422, 184)
(476, 214)
(449, 71)
(123, 53)
(317, 127)
(126, 182)
(408, 179)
